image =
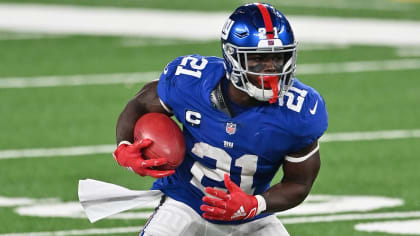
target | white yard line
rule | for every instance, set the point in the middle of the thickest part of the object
(346, 217)
(358, 66)
(405, 227)
(27, 36)
(146, 42)
(56, 152)
(77, 80)
(408, 51)
(109, 148)
(344, 4)
(375, 135)
(142, 77)
(56, 19)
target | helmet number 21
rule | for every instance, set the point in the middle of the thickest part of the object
(195, 64)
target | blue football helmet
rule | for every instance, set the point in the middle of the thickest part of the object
(259, 29)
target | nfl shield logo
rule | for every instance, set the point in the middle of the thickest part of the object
(230, 128)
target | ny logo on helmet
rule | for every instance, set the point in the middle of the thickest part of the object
(226, 28)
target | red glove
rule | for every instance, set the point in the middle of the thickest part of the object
(237, 205)
(129, 155)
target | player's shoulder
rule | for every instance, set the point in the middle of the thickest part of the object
(193, 70)
(190, 77)
(193, 66)
(311, 97)
(306, 110)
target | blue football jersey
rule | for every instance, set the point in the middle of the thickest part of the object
(250, 146)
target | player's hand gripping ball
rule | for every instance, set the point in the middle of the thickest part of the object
(167, 139)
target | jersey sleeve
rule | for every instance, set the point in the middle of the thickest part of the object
(166, 84)
(187, 81)
(313, 121)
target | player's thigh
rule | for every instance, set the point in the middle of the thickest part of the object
(172, 218)
(267, 226)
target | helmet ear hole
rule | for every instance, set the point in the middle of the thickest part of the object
(230, 50)
(237, 81)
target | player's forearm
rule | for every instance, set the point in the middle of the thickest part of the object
(283, 196)
(296, 184)
(126, 121)
(146, 100)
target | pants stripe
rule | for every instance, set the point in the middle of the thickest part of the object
(162, 200)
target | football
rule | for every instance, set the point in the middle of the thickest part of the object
(167, 137)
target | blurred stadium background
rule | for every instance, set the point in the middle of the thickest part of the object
(63, 85)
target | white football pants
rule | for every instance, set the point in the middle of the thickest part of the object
(174, 218)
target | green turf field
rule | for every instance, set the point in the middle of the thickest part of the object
(68, 116)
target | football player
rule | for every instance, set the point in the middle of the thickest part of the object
(244, 116)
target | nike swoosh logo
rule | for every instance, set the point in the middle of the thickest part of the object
(313, 110)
